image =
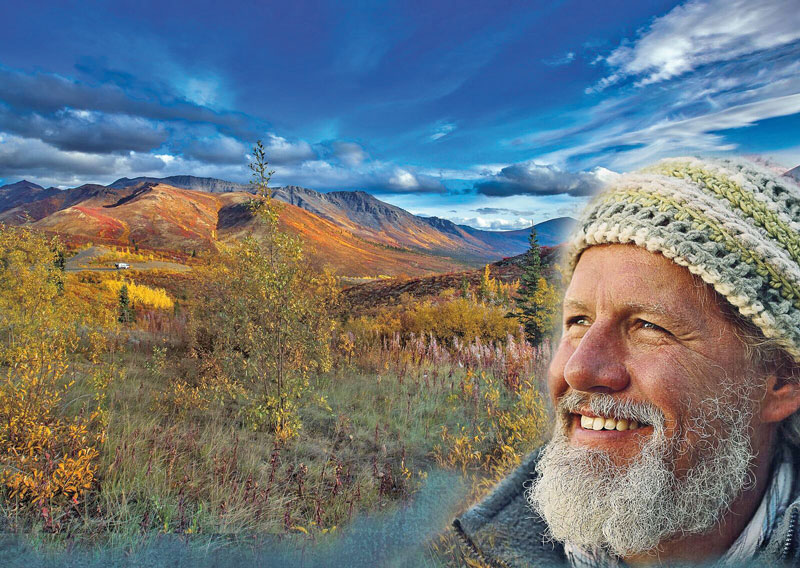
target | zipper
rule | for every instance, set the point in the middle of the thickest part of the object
(789, 544)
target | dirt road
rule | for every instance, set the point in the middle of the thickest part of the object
(82, 261)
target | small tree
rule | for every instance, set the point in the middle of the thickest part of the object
(125, 310)
(265, 315)
(465, 287)
(536, 301)
(487, 289)
(49, 447)
(261, 172)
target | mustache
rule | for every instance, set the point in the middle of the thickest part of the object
(607, 405)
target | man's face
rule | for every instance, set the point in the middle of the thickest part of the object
(645, 344)
(642, 329)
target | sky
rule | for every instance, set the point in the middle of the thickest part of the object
(492, 114)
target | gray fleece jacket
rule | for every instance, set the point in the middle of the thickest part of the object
(502, 531)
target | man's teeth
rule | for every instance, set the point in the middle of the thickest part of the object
(600, 423)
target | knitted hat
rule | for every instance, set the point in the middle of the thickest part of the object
(734, 224)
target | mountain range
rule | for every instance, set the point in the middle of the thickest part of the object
(352, 231)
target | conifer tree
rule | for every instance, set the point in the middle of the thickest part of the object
(531, 311)
(125, 308)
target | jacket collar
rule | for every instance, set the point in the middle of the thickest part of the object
(502, 531)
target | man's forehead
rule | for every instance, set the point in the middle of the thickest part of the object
(637, 279)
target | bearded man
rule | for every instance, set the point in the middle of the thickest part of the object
(675, 383)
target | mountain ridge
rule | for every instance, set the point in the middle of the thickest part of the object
(154, 212)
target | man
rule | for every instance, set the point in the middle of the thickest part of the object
(675, 383)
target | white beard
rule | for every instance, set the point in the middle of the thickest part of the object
(589, 501)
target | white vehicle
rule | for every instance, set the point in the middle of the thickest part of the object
(121, 265)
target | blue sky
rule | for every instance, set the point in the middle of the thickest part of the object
(492, 114)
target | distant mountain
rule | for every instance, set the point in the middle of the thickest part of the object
(210, 185)
(22, 192)
(160, 216)
(794, 173)
(354, 230)
(372, 219)
(548, 233)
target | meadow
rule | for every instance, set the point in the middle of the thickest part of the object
(195, 418)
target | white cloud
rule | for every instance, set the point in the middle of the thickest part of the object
(494, 224)
(349, 153)
(217, 149)
(441, 130)
(374, 176)
(279, 150)
(565, 59)
(532, 178)
(669, 136)
(35, 160)
(699, 33)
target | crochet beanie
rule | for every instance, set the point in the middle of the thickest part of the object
(734, 224)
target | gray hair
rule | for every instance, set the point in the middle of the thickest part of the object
(770, 356)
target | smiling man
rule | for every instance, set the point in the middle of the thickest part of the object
(676, 383)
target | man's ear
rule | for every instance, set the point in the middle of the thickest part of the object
(782, 398)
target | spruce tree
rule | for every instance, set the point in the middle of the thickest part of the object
(528, 300)
(125, 309)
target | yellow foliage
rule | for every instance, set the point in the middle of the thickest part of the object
(459, 317)
(142, 295)
(48, 457)
(507, 430)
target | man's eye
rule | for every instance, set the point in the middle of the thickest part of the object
(652, 326)
(577, 320)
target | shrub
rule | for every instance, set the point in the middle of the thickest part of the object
(48, 451)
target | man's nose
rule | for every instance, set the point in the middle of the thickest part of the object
(597, 364)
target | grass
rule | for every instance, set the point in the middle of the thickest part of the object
(401, 431)
(369, 445)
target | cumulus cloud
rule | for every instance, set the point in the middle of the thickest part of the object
(281, 151)
(86, 130)
(33, 158)
(218, 149)
(349, 153)
(494, 224)
(373, 176)
(46, 164)
(48, 93)
(530, 178)
(502, 211)
(701, 32)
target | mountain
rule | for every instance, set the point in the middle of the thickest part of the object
(794, 173)
(22, 192)
(369, 218)
(372, 219)
(210, 185)
(548, 233)
(159, 216)
(351, 230)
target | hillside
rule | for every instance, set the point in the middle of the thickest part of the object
(159, 216)
(367, 297)
(370, 218)
(356, 233)
(22, 192)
